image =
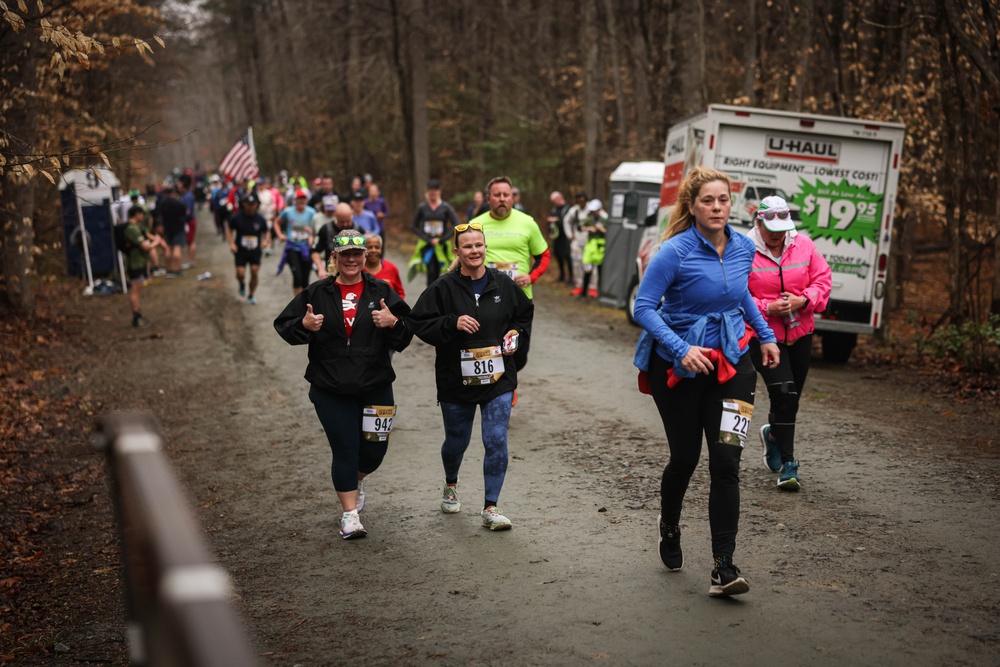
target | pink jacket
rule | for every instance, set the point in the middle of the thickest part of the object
(802, 270)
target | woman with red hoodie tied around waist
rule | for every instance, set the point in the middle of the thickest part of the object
(694, 307)
(789, 282)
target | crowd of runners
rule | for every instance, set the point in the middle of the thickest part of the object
(716, 309)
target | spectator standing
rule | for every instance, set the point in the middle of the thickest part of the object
(593, 251)
(560, 242)
(191, 228)
(573, 226)
(138, 246)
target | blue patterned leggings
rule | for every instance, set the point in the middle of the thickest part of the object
(458, 420)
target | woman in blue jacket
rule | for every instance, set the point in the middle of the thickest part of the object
(476, 318)
(695, 349)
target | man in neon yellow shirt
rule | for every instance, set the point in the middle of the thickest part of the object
(514, 243)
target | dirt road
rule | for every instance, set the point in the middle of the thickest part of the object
(885, 557)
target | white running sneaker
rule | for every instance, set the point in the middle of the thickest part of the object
(361, 495)
(449, 499)
(350, 526)
(494, 520)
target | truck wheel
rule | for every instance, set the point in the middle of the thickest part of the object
(837, 346)
(633, 291)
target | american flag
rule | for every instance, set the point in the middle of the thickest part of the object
(241, 160)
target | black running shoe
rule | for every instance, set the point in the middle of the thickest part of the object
(670, 545)
(727, 581)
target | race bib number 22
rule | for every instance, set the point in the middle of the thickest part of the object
(735, 422)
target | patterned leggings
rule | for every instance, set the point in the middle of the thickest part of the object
(458, 419)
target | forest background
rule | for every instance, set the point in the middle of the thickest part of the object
(554, 94)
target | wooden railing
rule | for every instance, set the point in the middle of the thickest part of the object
(179, 600)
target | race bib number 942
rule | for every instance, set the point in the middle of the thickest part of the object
(481, 365)
(735, 422)
(376, 422)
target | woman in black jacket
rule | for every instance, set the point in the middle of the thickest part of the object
(475, 317)
(350, 321)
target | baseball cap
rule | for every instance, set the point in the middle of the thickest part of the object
(301, 193)
(330, 202)
(345, 241)
(434, 184)
(250, 198)
(358, 194)
(594, 205)
(780, 218)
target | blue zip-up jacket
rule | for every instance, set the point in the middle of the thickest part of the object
(705, 299)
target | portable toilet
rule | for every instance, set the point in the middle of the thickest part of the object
(634, 203)
(88, 221)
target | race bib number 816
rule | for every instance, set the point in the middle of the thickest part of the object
(481, 365)
(376, 422)
(735, 423)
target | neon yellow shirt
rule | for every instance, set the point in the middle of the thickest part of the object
(515, 240)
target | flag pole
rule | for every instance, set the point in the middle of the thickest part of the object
(253, 149)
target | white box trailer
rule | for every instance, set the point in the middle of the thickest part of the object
(839, 176)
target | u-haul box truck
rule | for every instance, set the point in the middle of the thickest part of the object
(839, 176)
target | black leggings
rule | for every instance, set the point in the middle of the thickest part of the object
(300, 268)
(341, 418)
(784, 387)
(692, 410)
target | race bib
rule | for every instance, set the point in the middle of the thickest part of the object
(434, 227)
(299, 235)
(481, 365)
(735, 422)
(250, 242)
(376, 422)
(510, 268)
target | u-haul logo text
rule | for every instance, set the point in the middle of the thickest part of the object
(813, 150)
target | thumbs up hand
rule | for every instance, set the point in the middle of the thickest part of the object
(311, 321)
(383, 317)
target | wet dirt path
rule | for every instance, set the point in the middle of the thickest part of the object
(885, 557)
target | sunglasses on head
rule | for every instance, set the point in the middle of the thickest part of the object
(771, 215)
(345, 241)
(472, 225)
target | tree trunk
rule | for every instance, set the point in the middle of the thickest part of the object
(17, 198)
(616, 71)
(647, 143)
(702, 54)
(400, 27)
(591, 96)
(417, 39)
(17, 240)
(750, 55)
